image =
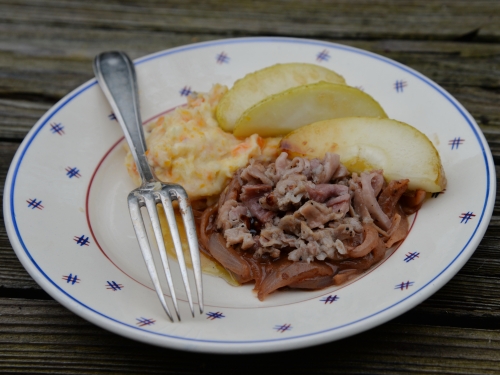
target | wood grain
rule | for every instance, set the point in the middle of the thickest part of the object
(46, 50)
(36, 75)
(315, 18)
(42, 336)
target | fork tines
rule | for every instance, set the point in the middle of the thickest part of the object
(149, 196)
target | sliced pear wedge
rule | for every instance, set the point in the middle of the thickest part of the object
(258, 85)
(281, 113)
(365, 143)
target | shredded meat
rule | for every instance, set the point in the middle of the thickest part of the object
(368, 195)
(305, 223)
(238, 235)
(250, 198)
(254, 174)
(323, 192)
(316, 214)
(325, 169)
(288, 193)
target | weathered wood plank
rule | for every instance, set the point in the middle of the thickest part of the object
(12, 273)
(42, 336)
(445, 19)
(46, 49)
(39, 66)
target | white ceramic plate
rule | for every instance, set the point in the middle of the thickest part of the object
(67, 219)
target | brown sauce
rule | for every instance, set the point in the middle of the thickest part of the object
(317, 275)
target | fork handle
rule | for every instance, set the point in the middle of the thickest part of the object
(115, 73)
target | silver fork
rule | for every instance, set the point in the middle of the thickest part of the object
(116, 76)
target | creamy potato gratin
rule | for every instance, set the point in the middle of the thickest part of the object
(187, 147)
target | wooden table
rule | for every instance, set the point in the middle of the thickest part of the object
(46, 49)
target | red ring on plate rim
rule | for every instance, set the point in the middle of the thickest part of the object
(87, 210)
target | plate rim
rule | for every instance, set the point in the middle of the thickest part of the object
(252, 346)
